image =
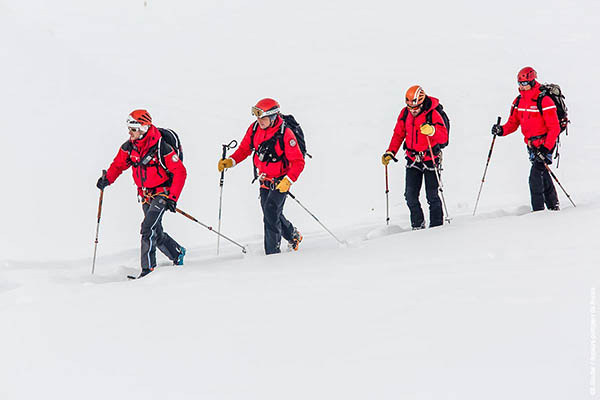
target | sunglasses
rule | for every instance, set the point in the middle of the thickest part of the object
(524, 83)
(134, 129)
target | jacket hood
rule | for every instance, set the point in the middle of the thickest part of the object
(150, 139)
(531, 93)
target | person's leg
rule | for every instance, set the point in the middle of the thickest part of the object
(414, 180)
(536, 185)
(272, 202)
(550, 195)
(150, 230)
(287, 229)
(436, 215)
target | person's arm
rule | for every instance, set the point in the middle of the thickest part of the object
(245, 148)
(513, 120)
(120, 163)
(399, 135)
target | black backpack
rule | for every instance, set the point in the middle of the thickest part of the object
(288, 122)
(553, 91)
(428, 117)
(168, 141)
(172, 139)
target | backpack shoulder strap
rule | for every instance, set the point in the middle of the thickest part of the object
(515, 104)
(404, 114)
(127, 147)
(163, 148)
(254, 128)
(543, 93)
(429, 116)
(281, 135)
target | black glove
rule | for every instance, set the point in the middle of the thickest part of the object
(102, 182)
(171, 205)
(497, 130)
(543, 153)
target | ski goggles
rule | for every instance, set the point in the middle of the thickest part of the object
(260, 113)
(135, 126)
(413, 107)
(525, 83)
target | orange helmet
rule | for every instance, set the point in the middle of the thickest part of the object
(140, 119)
(265, 108)
(415, 96)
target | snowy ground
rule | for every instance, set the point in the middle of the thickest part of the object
(496, 306)
(484, 315)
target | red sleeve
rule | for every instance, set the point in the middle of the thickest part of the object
(293, 154)
(119, 164)
(513, 120)
(441, 130)
(551, 120)
(176, 167)
(399, 135)
(244, 150)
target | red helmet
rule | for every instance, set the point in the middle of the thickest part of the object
(139, 119)
(265, 108)
(415, 96)
(526, 74)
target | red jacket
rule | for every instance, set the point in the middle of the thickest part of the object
(543, 128)
(153, 175)
(293, 156)
(407, 130)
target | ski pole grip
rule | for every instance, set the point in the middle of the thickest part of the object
(498, 122)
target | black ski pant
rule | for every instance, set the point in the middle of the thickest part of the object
(541, 187)
(153, 235)
(276, 225)
(414, 181)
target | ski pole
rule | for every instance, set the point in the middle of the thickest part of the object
(437, 176)
(387, 196)
(210, 228)
(316, 219)
(556, 179)
(232, 145)
(98, 224)
(486, 167)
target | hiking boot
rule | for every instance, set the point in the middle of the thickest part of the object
(179, 260)
(418, 228)
(295, 242)
(145, 272)
(554, 208)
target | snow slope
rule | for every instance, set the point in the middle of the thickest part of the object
(493, 306)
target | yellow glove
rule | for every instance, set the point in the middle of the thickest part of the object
(386, 157)
(284, 185)
(224, 164)
(427, 130)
